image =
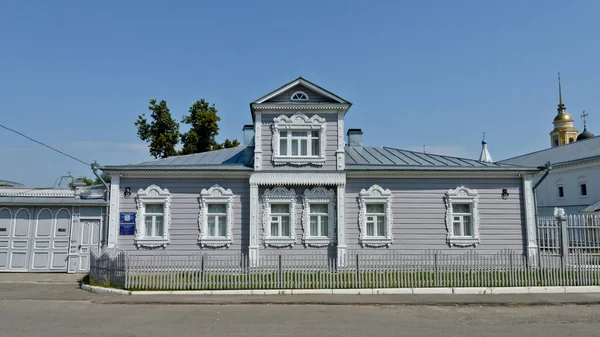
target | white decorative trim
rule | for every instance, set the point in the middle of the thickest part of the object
(462, 195)
(375, 194)
(299, 99)
(144, 173)
(279, 195)
(152, 194)
(307, 106)
(298, 122)
(298, 178)
(215, 194)
(258, 142)
(113, 212)
(319, 195)
(341, 148)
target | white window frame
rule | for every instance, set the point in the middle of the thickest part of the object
(152, 195)
(299, 122)
(375, 195)
(319, 195)
(215, 195)
(462, 195)
(582, 180)
(279, 195)
(299, 99)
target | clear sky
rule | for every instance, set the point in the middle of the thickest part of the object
(75, 74)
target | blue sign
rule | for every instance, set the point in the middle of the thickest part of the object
(127, 229)
(127, 217)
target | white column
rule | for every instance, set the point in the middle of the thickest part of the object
(113, 216)
(253, 247)
(340, 153)
(341, 226)
(258, 141)
(530, 221)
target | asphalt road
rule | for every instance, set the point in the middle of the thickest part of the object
(84, 318)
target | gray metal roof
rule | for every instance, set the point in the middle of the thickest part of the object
(236, 158)
(595, 207)
(581, 150)
(357, 158)
(387, 158)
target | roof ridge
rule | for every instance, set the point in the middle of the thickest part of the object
(548, 149)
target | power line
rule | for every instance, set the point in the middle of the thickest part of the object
(48, 146)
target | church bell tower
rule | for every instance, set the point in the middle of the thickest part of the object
(564, 132)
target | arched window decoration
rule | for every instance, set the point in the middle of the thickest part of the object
(153, 217)
(299, 96)
(319, 220)
(298, 140)
(375, 217)
(462, 217)
(279, 217)
(216, 217)
(5, 221)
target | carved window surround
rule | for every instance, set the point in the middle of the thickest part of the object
(319, 195)
(375, 195)
(279, 195)
(462, 195)
(152, 195)
(215, 195)
(298, 122)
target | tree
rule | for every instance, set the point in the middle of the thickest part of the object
(162, 133)
(230, 143)
(105, 176)
(87, 181)
(203, 121)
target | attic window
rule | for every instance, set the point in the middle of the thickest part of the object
(299, 96)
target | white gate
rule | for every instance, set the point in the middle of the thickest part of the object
(84, 237)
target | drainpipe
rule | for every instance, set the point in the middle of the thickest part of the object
(548, 168)
(103, 238)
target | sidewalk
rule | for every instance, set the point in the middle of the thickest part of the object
(57, 278)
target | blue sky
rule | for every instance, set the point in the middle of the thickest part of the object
(75, 74)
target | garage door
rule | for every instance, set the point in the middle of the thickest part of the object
(34, 239)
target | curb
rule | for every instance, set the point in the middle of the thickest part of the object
(380, 291)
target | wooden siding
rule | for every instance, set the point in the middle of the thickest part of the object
(313, 96)
(185, 209)
(331, 145)
(419, 213)
(299, 247)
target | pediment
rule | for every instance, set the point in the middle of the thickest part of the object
(301, 91)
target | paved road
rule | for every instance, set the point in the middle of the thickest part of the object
(83, 318)
(61, 309)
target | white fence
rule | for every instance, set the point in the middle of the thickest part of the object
(569, 255)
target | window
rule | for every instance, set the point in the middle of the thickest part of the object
(299, 96)
(462, 217)
(561, 192)
(571, 140)
(461, 220)
(319, 219)
(153, 217)
(298, 140)
(583, 189)
(279, 217)
(215, 220)
(375, 218)
(296, 143)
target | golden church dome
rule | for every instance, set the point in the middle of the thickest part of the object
(563, 117)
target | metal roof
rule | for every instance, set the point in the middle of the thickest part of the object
(236, 158)
(9, 183)
(387, 158)
(581, 150)
(357, 158)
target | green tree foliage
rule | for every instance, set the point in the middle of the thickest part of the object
(230, 143)
(162, 133)
(86, 180)
(105, 177)
(203, 121)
